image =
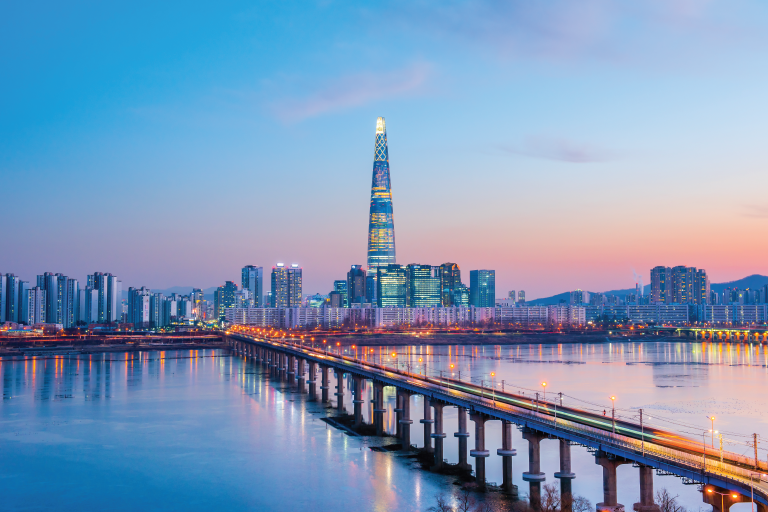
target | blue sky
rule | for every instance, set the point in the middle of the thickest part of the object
(562, 143)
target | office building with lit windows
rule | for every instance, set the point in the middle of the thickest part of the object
(391, 286)
(286, 286)
(423, 286)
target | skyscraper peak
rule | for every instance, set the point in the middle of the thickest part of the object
(381, 227)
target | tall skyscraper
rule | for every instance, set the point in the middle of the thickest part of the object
(661, 284)
(450, 278)
(423, 286)
(381, 226)
(110, 297)
(286, 286)
(355, 291)
(138, 307)
(253, 281)
(391, 286)
(482, 288)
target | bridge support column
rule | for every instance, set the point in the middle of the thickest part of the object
(646, 492)
(534, 476)
(358, 400)
(398, 414)
(324, 386)
(479, 453)
(406, 420)
(439, 434)
(427, 422)
(610, 498)
(565, 475)
(302, 369)
(339, 390)
(507, 452)
(291, 366)
(378, 407)
(463, 434)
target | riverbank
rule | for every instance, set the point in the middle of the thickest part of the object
(20, 354)
(492, 338)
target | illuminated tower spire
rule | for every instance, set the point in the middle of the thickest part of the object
(381, 226)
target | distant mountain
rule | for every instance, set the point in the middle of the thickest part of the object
(752, 282)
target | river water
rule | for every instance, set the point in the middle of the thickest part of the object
(202, 430)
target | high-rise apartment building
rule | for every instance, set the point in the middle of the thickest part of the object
(110, 301)
(253, 281)
(679, 285)
(423, 286)
(521, 297)
(12, 306)
(3, 293)
(88, 307)
(355, 291)
(138, 307)
(35, 306)
(482, 288)
(391, 286)
(381, 226)
(661, 285)
(579, 297)
(286, 286)
(450, 278)
(512, 296)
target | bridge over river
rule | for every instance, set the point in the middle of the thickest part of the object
(725, 478)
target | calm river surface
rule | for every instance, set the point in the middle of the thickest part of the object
(195, 430)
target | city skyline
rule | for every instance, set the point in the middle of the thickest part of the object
(531, 152)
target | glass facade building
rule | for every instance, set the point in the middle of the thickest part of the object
(391, 284)
(252, 279)
(482, 288)
(381, 227)
(450, 278)
(423, 286)
(356, 285)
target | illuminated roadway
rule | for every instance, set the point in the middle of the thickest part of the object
(667, 451)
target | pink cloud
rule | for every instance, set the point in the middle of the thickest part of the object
(558, 148)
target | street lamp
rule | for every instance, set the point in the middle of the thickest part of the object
(722, 495)
(613, 413)
(544, 385)
(712, 419)
(493, 387)
(752, 489)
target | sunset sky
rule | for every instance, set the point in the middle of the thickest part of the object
(564, 144)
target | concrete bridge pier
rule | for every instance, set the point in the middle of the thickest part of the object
(357, 388)
(506, 452)
(439, 434)
(302, 368)
(463, 434)
(312, 380)
(534, 476)
(339, 390)
(324, 385)
(398, 414)
(646, 503)
(479, 453)
(406, 421)
(378, 407)
(291, 367)
(610, 498)
(427, 422)
(565, 475)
